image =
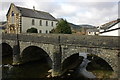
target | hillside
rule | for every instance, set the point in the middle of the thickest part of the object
(78, 27)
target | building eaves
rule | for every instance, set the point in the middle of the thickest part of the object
(109, 24)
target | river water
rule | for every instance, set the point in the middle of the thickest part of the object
(36, 69)
(39, 69)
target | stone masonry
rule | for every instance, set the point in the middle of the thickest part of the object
(65, 45)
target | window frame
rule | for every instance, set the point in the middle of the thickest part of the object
(33, 21)
(46, 23)
(40, 31)
(52, 23)
(46, 31)
(40, 22)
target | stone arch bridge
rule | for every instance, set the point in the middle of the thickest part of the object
(61, 46)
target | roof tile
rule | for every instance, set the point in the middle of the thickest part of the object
(35, 14)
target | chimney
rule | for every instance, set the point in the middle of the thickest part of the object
(33, 7)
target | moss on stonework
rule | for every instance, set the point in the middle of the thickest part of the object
(55, 74)
(16, 63)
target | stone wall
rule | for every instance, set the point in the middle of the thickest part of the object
(109, 55)
(78, 40)
(105, 47)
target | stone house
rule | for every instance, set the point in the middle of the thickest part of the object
(20, 19)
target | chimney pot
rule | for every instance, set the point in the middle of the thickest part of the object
(33, 7)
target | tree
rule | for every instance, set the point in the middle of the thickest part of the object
(52, 31)
(63, 27)
(32, 30)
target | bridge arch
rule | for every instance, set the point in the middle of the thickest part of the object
(95, 59)
(6, 49)
(71, 62)
(108, 60)
(7, 53)
(100, 55)
(33, 53)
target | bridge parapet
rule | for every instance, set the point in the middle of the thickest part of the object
(110, 42)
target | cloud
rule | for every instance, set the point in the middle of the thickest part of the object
(65, 10)
(78, 12)
(95, 13)
(90, 0)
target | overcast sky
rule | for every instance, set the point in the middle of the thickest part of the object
(93, 12)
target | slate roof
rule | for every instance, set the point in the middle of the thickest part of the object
(109, 24)
(35, 14)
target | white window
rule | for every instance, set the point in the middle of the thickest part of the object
(40, 31)
(13, 18)
(51, 23)
(40, 22)
(33, 22)
(46, 23)
(46, 31)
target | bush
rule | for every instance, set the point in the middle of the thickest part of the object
(63, 27)
(32, 30)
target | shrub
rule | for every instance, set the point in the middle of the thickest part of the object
(32, 30)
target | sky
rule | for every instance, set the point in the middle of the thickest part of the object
(92, 12)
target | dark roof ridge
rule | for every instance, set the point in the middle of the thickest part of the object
(26, 12)
(31, 9)
(110, 24)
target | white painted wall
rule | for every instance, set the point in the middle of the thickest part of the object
(91, 33)
(112, 33)
(27, 23)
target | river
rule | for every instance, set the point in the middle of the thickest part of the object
(39, 69)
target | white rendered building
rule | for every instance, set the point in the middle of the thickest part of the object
(110, 29)
(20, 19)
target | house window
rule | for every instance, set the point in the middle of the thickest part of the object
(33, 22)
(40, 31)
(12, 13)
(12, 19)
(46, 23)
(89, 32)
(40, 22)
(46, 31)
(51, 23)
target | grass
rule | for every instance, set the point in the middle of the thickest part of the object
(104, 73)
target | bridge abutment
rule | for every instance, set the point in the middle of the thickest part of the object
(16, 53)
(56, 66)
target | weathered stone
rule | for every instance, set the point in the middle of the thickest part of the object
(106, 48)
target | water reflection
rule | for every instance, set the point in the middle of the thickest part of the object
(82, 67)
(36, 69)
(39, 69)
